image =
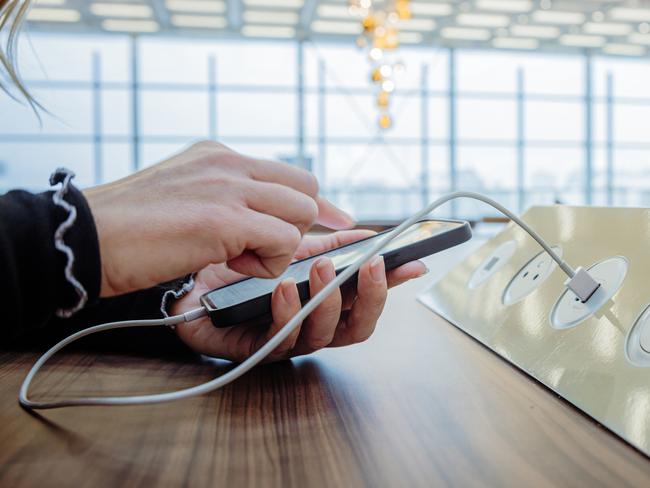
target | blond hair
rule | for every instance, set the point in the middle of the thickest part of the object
(12, 13)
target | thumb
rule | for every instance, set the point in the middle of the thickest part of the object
(333, 217)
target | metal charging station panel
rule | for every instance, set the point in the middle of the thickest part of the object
(596, 364)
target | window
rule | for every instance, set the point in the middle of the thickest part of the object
(519, 131)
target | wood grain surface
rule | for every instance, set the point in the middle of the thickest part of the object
(420, 404)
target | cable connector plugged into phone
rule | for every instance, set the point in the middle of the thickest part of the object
(582, 284)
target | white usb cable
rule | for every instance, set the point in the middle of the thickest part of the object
(580, 282)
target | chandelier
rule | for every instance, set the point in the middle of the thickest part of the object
(380, 38)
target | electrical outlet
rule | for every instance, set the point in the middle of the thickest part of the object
(529, 278)
(496, 260)
(637, 344)
(569, 311)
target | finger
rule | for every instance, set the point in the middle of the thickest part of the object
(359, 324)
(269, 246)
(396, 277)
(282, 202)
(333, 217)
(317, 244)
(406, 272)
(284, 174)
(319, 329)
(285, 303)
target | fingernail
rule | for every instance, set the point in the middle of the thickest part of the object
(351, 219)
(377, 268)
(425, 271)
(287, 289)
(325, 270)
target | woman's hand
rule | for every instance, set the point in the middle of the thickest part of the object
(339, 321)
(205, 205)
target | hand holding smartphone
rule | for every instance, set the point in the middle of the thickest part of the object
(250, 299)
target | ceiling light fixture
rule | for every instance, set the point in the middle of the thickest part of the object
(381, 36)
(465, 34)
(199, 6)
(124, 25)
(624, 49)
(515, 43)
(558, 17)
(198, 21)
(578, 40)
(334, 27)
(126, 10)
(508, 6)
(482, 20)
(630, 14)
(268, 31)
(275, 3)
(538, 31)
(432, 9)
(607, 28)
(37, 14)
(263, 17)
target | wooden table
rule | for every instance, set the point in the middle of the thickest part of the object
(420, 404)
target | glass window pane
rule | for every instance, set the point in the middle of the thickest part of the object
(173, 60)
(438, 169)
(351, 115)
(116, 112)
(439, 118)
(381, 164)
(47, 56)
(118, 161)
(553, 75)
(484, 71)
(554, 121)
(174, 113)
(488, 170)
(70, 112)
(406, 112)
(631, 78)
(486, 119)
(256, 115)
(627, 126)
(261, 63)
(555, 175)
(29, 166)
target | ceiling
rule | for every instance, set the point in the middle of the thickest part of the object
(614, 27)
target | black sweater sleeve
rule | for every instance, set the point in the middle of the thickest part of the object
(32, 280)
(33, 285)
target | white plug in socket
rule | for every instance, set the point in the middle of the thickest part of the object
(496, 260)
(529, 278)
(569, 311)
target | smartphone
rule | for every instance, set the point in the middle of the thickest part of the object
(249, 300)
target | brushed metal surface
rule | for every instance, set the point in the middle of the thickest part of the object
(586, 364)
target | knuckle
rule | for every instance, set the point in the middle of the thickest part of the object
(308, 182)
(293, 239)
(206, 146)
(310, 211)
(316, 343)
(362, 336)
(312, 183)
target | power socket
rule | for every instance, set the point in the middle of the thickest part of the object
(530, 277)
(492, 264)
(569, 310)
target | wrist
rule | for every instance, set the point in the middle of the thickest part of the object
(100, 205)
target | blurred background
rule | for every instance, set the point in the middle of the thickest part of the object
(389, 103)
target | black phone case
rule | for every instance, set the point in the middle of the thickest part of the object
(258, 309)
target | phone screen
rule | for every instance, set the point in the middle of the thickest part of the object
(341, 257)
